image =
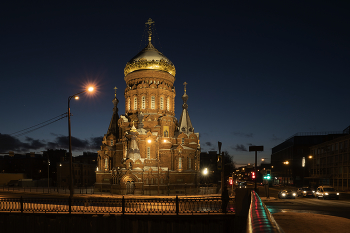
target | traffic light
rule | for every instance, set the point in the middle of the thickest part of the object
(268, 174)
(253, 175)
(230, 180)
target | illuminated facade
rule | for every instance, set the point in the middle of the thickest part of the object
(148, 150)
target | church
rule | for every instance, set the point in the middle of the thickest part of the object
(147, 150)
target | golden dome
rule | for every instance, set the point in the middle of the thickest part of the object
(150, 59)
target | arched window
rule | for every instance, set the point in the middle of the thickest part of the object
(182, 141)
(148, 152)
(189, 163)
(129, 105)
(166, 133)
(161, 103)
(135, 103)
(143, 102)
(168, 104)
(106, 164)
(111, 142)
(153, 102)
(180, 163)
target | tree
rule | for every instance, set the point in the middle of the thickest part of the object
(229, 165)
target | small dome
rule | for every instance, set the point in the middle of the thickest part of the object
(150, 59)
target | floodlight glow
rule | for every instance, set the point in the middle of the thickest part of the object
(205, 171)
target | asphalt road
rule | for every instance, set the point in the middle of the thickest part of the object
(339, 208)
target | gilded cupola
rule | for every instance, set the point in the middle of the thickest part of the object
(150, 58)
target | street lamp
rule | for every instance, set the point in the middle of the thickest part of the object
(60, 175)
(205, 174)
(287, 171)
(75, 96)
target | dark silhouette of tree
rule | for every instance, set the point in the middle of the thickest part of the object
(229, 164)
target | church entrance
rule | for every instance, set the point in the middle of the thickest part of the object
(130, 187)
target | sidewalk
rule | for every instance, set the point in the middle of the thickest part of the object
(293, 221)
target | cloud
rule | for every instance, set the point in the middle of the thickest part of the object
(240, 134)
(10, 143)
(96, 142)
(208, 144)
(239, 147)
(275, 138)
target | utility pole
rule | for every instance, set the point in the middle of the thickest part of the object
(48, 173)
(221, 165)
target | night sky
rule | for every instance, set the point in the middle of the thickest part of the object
(257, 71)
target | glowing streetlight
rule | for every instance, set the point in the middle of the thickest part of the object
(75, 96)
(205, 171)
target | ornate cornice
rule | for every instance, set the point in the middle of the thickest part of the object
(144, 64)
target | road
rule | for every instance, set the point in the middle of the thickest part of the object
(339, 208)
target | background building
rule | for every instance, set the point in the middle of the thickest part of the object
(330, 163)
(147, 149)
(291, 159)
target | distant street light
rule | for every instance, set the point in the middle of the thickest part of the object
(205, 171)
(76, 96)
(287, 171)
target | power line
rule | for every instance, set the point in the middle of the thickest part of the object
(38, 126)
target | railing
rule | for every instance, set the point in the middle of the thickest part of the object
(81, 190)
(260, 218)
(116, 205)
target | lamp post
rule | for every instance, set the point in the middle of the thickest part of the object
(60, 175)
(75, 96)
(48, 173)
(205, 173)
(287, 173)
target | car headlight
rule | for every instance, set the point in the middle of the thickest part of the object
(283, 194)
(326, 194)
(294, 194)
(304, 191)
(313, 191)
(337, 193)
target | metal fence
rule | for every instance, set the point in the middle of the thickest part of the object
(116, 205)
(81, 190)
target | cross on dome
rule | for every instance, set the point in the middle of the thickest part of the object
(115, 91)
(149, 22)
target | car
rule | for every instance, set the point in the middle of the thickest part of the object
(287, 193)
(242, 185)
(305, 192)
(327, 192)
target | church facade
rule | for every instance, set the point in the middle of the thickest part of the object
(147, 150)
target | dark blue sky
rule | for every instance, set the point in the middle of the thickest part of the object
(257, 71)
